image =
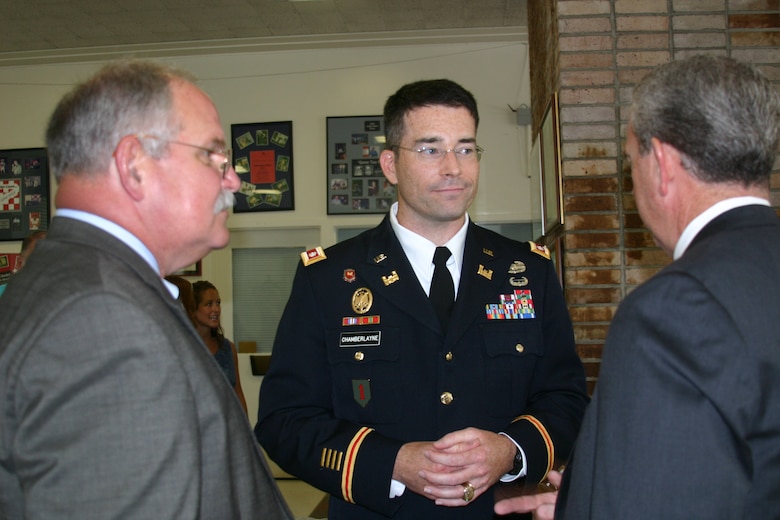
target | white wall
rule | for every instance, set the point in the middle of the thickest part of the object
(306, 86)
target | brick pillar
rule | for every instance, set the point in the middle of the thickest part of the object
(604, 47)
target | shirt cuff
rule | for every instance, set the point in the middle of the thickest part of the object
(511, 478)
(396, 489)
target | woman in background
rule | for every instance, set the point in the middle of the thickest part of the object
(208, 308)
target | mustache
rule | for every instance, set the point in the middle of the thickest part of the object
(225, 201)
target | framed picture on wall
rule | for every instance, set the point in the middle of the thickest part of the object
(24, 192)
(355, 183)
(263, 159)
(552, 182)
(191, 270)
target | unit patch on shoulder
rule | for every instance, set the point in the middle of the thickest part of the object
(313, 255)
(540, 250)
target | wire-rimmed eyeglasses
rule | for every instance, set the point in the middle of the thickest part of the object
(219, 158)
(433, 154)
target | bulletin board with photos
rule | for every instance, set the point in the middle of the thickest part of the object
(355, 183)
(24, 192)
(263, 160)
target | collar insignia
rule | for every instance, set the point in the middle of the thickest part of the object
(487, 273)
(391, 278)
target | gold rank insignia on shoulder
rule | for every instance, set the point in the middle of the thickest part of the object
(540, 250)
(313, 256)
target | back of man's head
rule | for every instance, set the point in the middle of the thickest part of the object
(722, 115)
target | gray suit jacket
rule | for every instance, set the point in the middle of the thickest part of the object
(111, 405)
(685, 420)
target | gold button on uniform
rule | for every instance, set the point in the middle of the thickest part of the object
(448, 356)
(359, 356)
(446, 398)
(519, 347)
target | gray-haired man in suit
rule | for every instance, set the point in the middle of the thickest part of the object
(111, 405)
(685, 420)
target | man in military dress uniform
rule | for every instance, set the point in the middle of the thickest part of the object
(398, 406)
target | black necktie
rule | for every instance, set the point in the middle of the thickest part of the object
(442, 294)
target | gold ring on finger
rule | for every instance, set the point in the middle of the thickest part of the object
(468, 492)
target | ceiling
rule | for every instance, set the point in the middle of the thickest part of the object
(46, 27)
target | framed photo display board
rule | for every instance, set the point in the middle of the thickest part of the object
(355, 183)
(263, 159)
(24, 192)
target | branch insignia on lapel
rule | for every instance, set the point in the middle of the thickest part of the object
(390, 279)
(487, 273)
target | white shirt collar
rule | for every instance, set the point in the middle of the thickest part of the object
(707, 216)
(419, 251)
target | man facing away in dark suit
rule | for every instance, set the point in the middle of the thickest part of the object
(397, 410)
(685, 420)
(111, 405)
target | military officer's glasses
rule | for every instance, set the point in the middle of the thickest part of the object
(432, 154)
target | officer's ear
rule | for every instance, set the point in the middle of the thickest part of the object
(387, 162)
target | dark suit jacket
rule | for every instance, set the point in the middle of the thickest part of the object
(111, 405)
(341, 397)
(685, 421)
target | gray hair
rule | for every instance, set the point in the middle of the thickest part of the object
(722, 115)
(123, 98)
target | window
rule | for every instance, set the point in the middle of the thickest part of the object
(259, 266)
(262, 279)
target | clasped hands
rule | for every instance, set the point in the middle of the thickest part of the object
(441, 470)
